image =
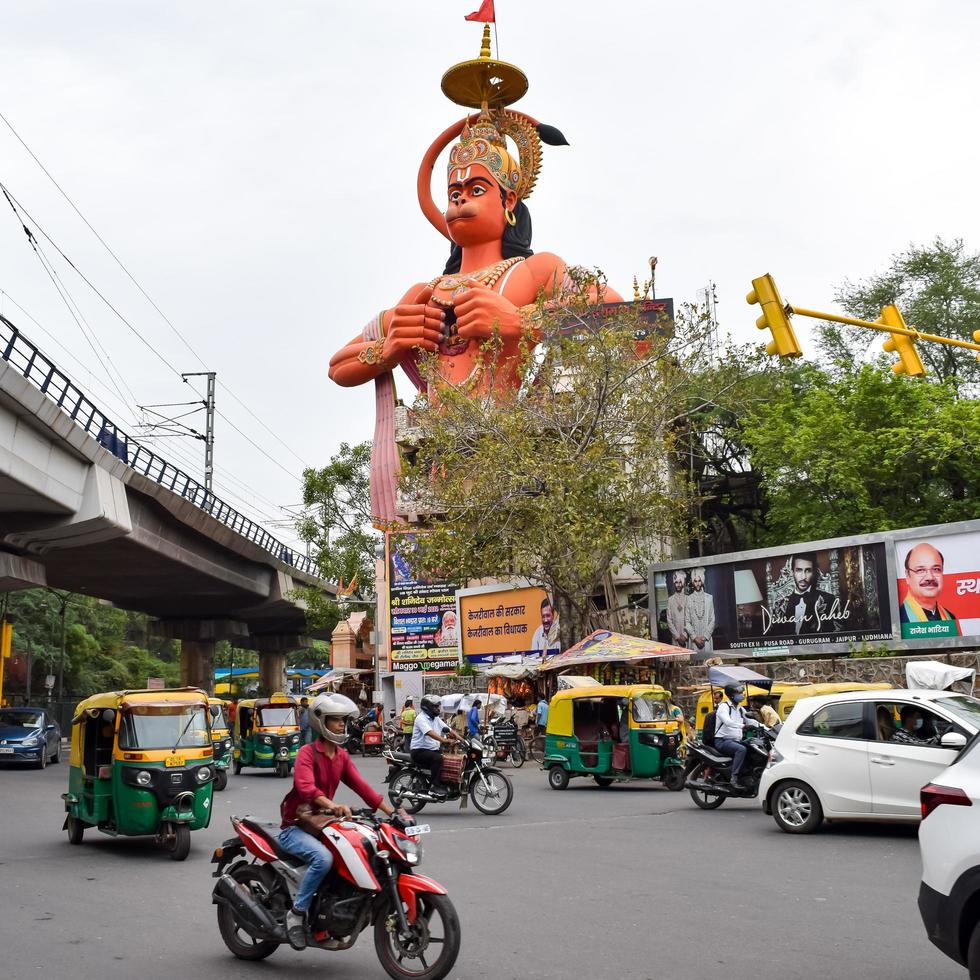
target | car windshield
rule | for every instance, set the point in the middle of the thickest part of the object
(164, 727)
(20, 719)
(277, 716)
(965, 708)
(649, 709)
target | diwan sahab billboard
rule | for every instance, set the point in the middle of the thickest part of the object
(939, 585)
(799, 597)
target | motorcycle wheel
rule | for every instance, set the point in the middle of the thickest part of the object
(400, 784)
(517, 756)
(497, 797)
(179, 842)
(220, 779)
(436, 928)
(707, 801)
(674, 778)
(244, 946)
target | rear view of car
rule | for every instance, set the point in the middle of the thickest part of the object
(949, 841)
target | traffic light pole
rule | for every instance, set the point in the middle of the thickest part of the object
(881, 327)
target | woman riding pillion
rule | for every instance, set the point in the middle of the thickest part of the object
(320, 768)
(428, 733)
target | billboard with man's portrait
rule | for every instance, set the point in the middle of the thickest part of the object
(497, 622)
(939, 585)
(792, 599)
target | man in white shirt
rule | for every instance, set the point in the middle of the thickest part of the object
(428, 734)
(730, 720)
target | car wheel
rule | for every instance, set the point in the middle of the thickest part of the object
(57, 753)
(43, 760)
(973, 953)
(796, 808)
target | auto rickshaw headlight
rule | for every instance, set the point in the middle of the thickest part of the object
(203, 774)
(295, 739)
(227, 743)
(267, 739)
(143, 778)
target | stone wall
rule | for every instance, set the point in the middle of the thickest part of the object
(451, 684)
(682, 678)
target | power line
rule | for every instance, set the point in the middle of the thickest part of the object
(133, 280)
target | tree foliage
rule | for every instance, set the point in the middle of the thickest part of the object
(861, 451)
(337, 526)
(937, 288)
(572, 475)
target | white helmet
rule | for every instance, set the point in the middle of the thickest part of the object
(326, 706)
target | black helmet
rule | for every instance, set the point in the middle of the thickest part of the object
(431, 705)
(734, 692)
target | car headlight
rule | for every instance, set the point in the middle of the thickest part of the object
(267, 739)
(31, 740)
(203, 774)
(412, 851)
(143, 778)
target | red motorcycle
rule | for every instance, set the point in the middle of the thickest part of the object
(372, 883)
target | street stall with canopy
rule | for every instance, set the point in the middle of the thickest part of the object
(935, 676)
(515, 678)
(615, 658)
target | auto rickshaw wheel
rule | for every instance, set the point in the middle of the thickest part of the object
(604, 781)
(674, 778)
(282, 769)
(178, 841)
(76, 830)
(237, 766)
(558, 777)
(220, 779)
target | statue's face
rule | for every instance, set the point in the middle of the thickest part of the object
(475, 212)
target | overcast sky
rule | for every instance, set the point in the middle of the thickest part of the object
(253, 165)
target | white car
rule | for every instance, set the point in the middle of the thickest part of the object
(949, 839)
(863, 755)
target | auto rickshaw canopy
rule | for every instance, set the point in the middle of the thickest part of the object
(143, 697)
(560, 708)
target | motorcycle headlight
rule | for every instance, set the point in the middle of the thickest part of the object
(412, 851)
(267, 739)
(143, 778)
(203, 774)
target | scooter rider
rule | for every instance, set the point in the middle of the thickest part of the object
(730, 720)
(320, 768)
(428, 733)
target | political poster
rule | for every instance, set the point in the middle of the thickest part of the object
(502, 622)
(939, 585)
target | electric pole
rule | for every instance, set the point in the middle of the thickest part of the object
(209, 429)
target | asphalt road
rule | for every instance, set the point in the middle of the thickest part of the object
(631, 882)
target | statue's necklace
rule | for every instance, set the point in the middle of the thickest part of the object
(451, 286)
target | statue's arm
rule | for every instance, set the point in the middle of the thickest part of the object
(549, 271)
(381, 346)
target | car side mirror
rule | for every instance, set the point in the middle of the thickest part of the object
(953, 740)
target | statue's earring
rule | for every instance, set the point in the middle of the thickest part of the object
(511, 217)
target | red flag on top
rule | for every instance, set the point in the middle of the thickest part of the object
(484, 14)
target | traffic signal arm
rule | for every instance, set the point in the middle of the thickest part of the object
(872, 325)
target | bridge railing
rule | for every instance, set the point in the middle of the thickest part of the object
(27, 359)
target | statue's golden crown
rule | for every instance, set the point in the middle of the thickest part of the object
(485, 143)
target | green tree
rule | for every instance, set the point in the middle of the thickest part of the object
(336, 524)
(861, 451)
(937, 288)
(573, 475)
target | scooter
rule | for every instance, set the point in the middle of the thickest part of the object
(372, 884)
(709, 772)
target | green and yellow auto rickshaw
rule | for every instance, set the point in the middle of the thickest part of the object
(266, 734)
(613, 733)
(141, 764)
(221, 741)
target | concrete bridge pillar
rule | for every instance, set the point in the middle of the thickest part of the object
(272, 672)
(197, 664)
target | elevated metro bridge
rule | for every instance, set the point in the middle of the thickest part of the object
(85, 507)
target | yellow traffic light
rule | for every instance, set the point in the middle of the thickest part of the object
(908, 361)
(774, 317)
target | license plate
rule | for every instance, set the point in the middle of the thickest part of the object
(417, 829)
(173, 761)
(6, 751)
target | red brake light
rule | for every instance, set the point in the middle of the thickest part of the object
(934, 795)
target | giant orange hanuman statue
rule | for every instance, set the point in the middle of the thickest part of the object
(492, 279)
